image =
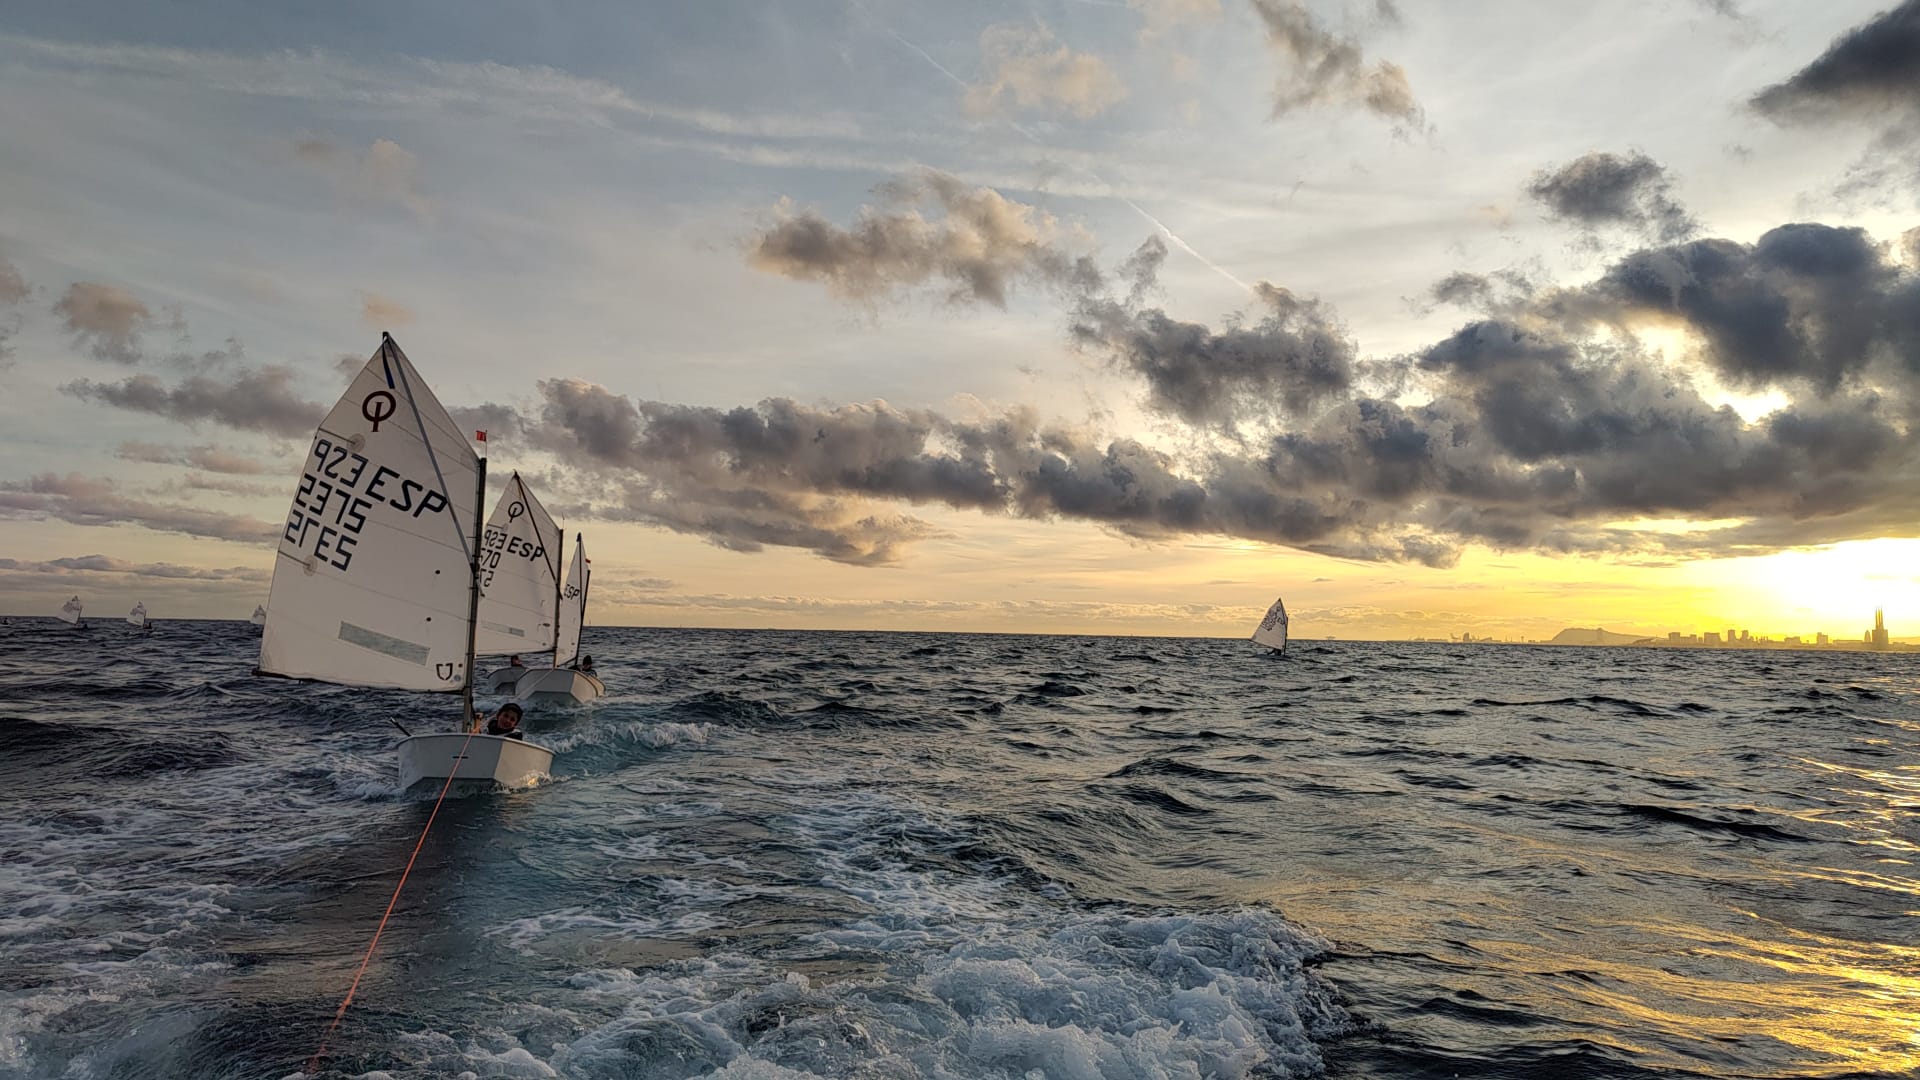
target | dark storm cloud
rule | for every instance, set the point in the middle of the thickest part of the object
(978, 249)
(1870, 71)
(259, 399)
(1869, 75)
(1604, 190)
(1322, 68)
(1296, 356)
(83, 500)
(106, 320)
(1807, 303)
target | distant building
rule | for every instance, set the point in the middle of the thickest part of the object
(1822, 639)
(1793, 639)
(1732, 636)
(1746, 636)
(1879, 636)
(1673, 636)
(1712, 637)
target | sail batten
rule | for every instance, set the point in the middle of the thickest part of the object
(372, 584)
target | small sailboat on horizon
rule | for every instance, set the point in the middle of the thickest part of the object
(1272, 631)
(376, 574)
(70, 613)
(259, 616)
(137, 618)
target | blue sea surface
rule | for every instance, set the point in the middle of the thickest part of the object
(786, 854)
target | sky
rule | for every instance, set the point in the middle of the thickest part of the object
(1076, 316)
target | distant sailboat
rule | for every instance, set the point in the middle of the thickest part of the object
(376, 579)
(138, 616)
(568, 680)
(70, 612)
(1272, 631)
(259, 616)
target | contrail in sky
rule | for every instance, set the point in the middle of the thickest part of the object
(1037, 141)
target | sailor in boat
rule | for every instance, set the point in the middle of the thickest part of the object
(584, 665)
(514, 661)
(505, 722)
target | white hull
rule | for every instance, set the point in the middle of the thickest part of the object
(501, 681)
(426, 761)
(559, 686)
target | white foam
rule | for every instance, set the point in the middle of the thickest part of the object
(1220, 995)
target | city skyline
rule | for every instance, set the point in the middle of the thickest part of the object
(1048, 316)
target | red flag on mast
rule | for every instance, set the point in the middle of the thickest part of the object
(479, 436)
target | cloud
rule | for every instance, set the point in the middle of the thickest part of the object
(1320, 68)
(1161, 16)
(1805, 305)
(1869, 75)
(384, 173)
(84, 500)
(260, 399)
(90, 565)
(209, 457)
(105, 319)
(13, 287)
(14, 290)
(1026, 71)
(982, 245)
(1541, 424)
(1870, 70)
(1602, 190)
(1295, 357)
(380, 313)
(193, 482)
(421, 86)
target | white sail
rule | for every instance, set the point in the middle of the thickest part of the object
(70, 611)
(259, 616)
(519, 575)
(573, 605)
(373, 583)
(138, 616)
(1272, 630)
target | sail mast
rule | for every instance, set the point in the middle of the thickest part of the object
(473, 589)
(559, 560)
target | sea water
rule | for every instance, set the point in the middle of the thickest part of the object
(781, 854)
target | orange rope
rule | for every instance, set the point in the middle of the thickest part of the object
(313, 1063)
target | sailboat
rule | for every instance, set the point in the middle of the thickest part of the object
(1272, 631)
(519, 583)
(70, 613)
(564, 683)
(138, 616)
(376, 576)
(259, 617)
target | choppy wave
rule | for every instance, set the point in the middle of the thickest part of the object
(783, 854)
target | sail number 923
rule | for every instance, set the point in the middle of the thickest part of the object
(330, 509)
(498, 542)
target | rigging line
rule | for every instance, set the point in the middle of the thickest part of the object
(313, 1063)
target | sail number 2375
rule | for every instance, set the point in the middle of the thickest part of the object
(336, 491)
